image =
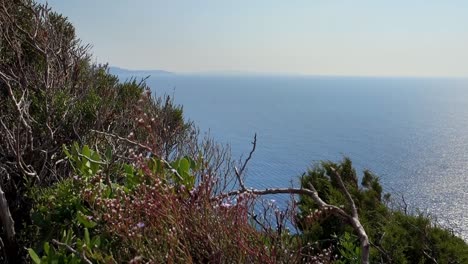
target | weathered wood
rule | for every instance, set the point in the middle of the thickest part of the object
(8, 226)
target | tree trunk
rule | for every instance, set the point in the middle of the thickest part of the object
(8, 225)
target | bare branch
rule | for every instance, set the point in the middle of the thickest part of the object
(302, 191)
(73, 251)
(430, 257)
(353, 219)
(240, 172)
(123, 139)
(345, 191)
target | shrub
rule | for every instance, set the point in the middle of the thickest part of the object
(51, 94)
(147, 210)
(395, 236)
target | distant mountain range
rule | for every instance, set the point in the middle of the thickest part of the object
(136, 73)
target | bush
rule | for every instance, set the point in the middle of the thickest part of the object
(149, 211)
(395, 236)
(51, 95)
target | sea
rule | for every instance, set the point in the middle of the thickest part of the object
(411, 132)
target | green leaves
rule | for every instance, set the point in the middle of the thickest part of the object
(85, 161)
(88, 246)
(184, 165)
(184, 168)
(86, 237)
(84, 220)
(33, 255)
(349, 249)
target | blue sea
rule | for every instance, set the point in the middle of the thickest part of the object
(411, 132)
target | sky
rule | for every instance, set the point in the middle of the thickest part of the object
(306, 37)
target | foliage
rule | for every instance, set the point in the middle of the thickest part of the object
(52, 95)
(101, 171)
(395, 236)
(159, 213)
(349, 249)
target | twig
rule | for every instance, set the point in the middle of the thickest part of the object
(168, 165)
(241, 171)
(122, 138)
(73, 251)
(430, 257)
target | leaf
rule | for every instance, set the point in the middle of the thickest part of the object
(97, 241)
(160, 167)
(95, 165)
(83, 219)
(76, 148)
(184, 165)
(128, 170)
(34, 256)
(95, 156)
(86, 151)
(67, 153)
(47, 248)
(68, 235)
(109, 154)
(175, 164)
(87, 239)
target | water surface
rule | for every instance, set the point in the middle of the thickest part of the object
(413, 133)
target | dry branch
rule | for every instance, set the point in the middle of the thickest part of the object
(239, 173)
(352, 218)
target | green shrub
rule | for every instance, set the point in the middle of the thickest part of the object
(395, 237)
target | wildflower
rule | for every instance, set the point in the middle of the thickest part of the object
(140, 225)
(226, 205)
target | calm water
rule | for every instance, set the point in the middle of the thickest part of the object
(413, 133)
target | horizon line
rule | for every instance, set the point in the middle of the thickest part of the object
(285, 74)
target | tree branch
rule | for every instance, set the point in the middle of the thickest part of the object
(241, 171)
(345, 191)
(353, 219)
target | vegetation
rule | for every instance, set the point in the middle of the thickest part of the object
(93, 170)
(395, 236)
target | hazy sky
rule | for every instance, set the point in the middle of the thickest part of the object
(326, 37)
